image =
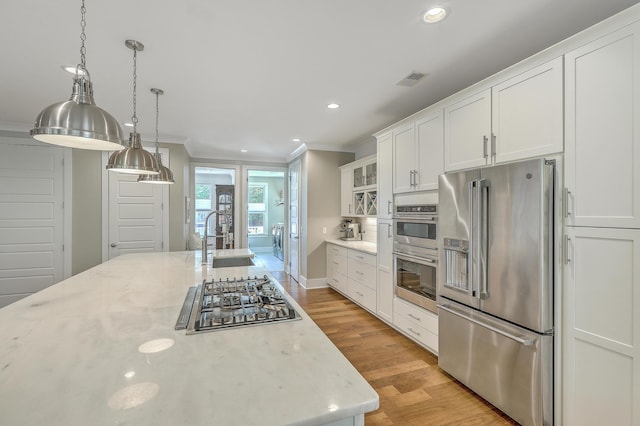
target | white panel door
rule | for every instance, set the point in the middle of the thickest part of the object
(602, 156)
(601, 336)
(135, 215)
(294, 220)
(31, 219)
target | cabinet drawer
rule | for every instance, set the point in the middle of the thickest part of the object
(337, 250)
(420, 317)
(369, 259)
(339, 282)
(416, 332)
(338, 265)
(362, 295)
(336, 260)
(362, 272)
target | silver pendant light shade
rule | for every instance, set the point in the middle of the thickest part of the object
(133, 159)
(78, 122)
(165, 176)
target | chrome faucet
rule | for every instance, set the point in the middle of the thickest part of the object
(225, 233)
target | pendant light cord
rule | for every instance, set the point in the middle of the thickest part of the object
(157, 118)
(83, 39)
(134, 118)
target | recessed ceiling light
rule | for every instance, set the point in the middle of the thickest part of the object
(333, 106)
(243, 150)
(73, 70)
(435, 14)
(295, 140)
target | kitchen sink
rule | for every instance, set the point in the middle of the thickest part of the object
(229, 262)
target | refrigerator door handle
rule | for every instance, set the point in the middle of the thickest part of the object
(471, 270)
(478, 236)
(482, 243)
(522, 341)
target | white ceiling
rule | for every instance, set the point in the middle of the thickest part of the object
(253, 74)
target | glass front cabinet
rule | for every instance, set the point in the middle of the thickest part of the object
(359, 188)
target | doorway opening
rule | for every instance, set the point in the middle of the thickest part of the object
(215, 190)
(266, 217)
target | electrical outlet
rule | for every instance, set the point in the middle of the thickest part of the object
(324, 229)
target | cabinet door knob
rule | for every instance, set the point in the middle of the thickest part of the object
(113, 244)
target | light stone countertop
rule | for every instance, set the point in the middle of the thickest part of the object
(230, 253)
(100, 349)
(364, 246)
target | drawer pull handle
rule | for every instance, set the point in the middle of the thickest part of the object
(359, 294)
(413, 331)
(336, 263)
(415, 317)
(359, 273)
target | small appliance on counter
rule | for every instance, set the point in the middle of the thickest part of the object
(351, 231)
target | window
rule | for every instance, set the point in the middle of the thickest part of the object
(204, 202)
(257, 202)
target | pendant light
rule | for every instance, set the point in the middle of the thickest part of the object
(79, 122)
(133, 159)
(165, 176)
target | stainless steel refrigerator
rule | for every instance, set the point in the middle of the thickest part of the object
(495, 285)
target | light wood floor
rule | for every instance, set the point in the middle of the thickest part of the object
(412, 389)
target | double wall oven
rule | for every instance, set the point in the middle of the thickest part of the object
(415, 253)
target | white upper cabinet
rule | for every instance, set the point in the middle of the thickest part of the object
(346, 191)
(527, 114)
(358, 189)
(602, 156)
(515, 119)
(467, 130)
(417, 153)
(403, 158)
(365, 173)
(429, 150)
(385, 176)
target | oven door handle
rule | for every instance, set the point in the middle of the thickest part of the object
(420, 260)
(416, 218)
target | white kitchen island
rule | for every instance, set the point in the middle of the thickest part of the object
(100, 349)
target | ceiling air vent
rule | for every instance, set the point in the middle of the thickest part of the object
(411, 79)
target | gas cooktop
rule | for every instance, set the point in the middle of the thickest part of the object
(216, 305)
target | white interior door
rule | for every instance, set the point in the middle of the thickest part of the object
(31, 218)
(135, 216)
(294, 217)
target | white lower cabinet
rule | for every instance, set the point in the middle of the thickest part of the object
(367, 280)
(337, 268)
(353, 273)
(419, 324)
(362, 295)
(601, 332)
(384, 307)
(361, 272)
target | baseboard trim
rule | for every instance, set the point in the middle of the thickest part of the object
(313, 283)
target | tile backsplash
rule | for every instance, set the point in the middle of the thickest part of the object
(369, 229)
